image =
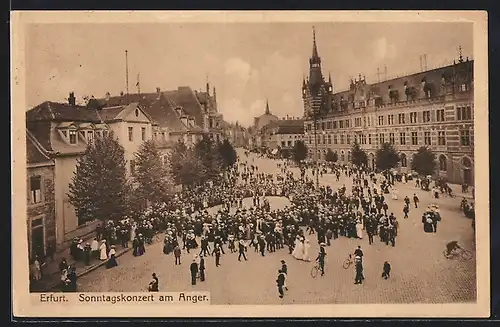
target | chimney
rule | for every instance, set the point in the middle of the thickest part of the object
(121, 93)
(72, 99)
(108, 96)
(158, 92)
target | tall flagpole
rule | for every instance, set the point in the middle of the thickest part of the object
(126, 70)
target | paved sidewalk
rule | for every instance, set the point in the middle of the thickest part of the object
(51, 275)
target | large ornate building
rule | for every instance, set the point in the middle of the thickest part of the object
(433, 108)
(58, 134)
(257, 138)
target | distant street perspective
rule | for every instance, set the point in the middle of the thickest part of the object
(361, 194)
(419, 271)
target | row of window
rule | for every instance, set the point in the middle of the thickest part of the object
(462, 113)
(131, 133)
(465, 138)
(72, 135)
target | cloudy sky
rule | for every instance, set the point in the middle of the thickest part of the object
(248, 63)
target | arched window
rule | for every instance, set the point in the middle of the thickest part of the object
(404, 162)
(442, 163)
(466, 162)
(342, 156)
(349, 156)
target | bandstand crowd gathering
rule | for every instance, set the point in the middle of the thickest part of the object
(190, 224)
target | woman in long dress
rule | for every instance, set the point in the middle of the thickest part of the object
(298, 250)
(132, 232)
(394, 193)
(112, 259)
(359, 229)
(307, 247)
(103, 255)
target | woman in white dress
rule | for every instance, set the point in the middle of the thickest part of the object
(307, 247)
(394, 193)
(298, 251)
(359, 229)
(103, 251)
(132, 232)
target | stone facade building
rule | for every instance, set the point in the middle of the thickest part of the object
(257, 136)
(64, 130)
(41, 218)
(283, 133)
(433, 108)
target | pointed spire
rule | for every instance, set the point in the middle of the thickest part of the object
(315, 48)
(268, 112)
(329, 78)
(208, 86)
(215, 95)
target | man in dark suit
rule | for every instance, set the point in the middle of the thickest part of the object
(280, 281)
(193, 268)
(202, 268)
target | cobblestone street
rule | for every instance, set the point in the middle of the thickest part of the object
(420, 273)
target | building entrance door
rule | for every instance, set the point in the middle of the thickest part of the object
(37, 238)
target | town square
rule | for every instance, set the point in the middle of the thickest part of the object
(335, 170)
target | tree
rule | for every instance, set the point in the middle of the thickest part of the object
(299, 151)
(331, 156)
(152, 179)
(186, 167)
(99, 187)
(207, 153)
(285, 153)
(358, 155)
(227, 153)
(386, 157)
(424, 161)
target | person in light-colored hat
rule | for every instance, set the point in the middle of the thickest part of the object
(103, 254)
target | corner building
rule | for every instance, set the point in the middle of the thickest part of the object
(433, 108)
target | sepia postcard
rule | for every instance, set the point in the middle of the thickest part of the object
(250, 164)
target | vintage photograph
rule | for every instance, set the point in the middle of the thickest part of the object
(272, 162)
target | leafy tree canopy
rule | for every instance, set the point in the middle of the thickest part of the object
(299, 151)
(386, 157)
(424, 161)
(99, 187)
(358, 155)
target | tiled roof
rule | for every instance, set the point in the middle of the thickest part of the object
(157, 107)
(35, 153)
(433, 78)
(185, 97)
(41, 130)
(287, 126)
(56, 111)
(110, 113)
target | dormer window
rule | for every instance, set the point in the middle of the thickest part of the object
(72, 136)
(90, 136)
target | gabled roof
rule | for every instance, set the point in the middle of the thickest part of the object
(159, 107)
(186, 98)
(35, 152)
(55, 111)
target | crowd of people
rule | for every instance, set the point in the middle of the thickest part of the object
(188, 222)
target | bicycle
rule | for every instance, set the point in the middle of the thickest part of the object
(459, 253)
(348, 262)
(315, 269)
